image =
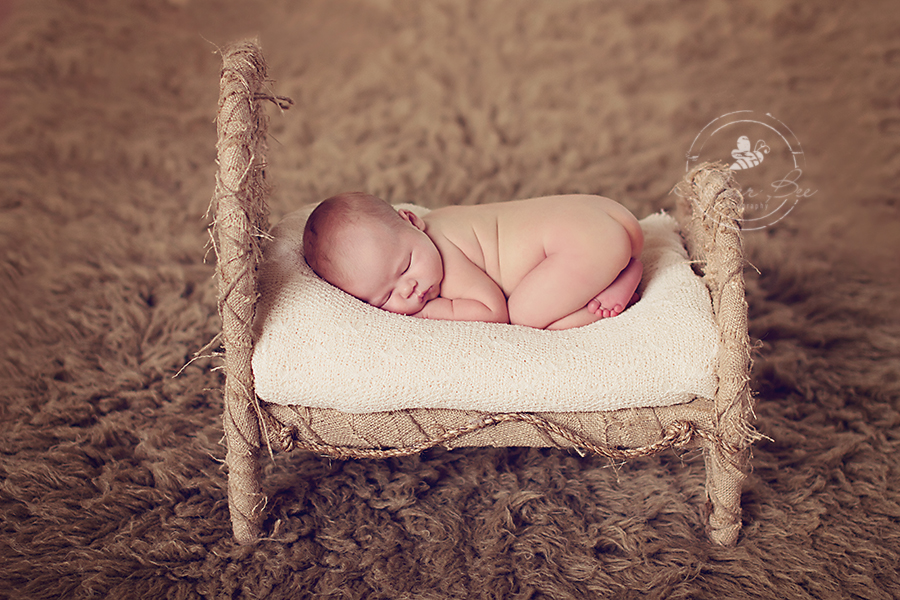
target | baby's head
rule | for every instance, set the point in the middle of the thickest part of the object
(362, 245)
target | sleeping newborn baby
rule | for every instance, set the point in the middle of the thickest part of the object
(555, 262)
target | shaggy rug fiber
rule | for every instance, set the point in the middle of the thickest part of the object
(111, 465)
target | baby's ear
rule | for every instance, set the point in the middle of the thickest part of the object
(411, 217)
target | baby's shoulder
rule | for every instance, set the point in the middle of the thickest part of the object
(471, 229)
(455, 220)
(455, 212)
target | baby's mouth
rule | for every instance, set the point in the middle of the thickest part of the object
(425, 296)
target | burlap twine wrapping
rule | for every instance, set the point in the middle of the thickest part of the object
(709, 208)
(240, 221)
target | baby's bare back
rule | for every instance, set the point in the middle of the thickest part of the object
(508, 240)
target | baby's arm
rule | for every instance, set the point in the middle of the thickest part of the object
(461, 309)
(467, 292)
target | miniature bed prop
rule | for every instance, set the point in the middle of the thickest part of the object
(715, 417)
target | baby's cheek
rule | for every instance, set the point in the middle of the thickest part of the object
(395, 307)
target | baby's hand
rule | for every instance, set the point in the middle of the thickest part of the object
(421, 314)
(429, 310)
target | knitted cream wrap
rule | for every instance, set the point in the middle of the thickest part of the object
(319, 347)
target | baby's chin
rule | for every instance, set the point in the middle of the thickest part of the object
(413, 310)
(406, 311)
(409, 313)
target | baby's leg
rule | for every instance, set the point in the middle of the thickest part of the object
(557, 287)
(579, 318)
(568, 288)
(564, 282)
(620, 293)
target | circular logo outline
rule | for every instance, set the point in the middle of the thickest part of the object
(788, 181)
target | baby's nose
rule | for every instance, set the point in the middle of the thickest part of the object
(409, 288)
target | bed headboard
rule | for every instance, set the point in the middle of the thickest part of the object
(240, 222)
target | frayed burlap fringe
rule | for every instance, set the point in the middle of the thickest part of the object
(709, 212)
(240, 221)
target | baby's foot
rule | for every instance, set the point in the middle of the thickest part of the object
(620, 294)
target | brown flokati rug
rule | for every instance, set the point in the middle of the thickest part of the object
(112, 481)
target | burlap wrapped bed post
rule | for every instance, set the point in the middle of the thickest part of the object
(709, 208)
(240, 221)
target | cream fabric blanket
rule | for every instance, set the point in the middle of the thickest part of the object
(317, 346)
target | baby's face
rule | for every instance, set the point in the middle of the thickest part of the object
(396, 269)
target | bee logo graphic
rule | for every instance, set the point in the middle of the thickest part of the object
(744, 157)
